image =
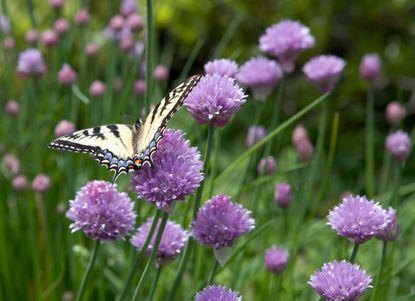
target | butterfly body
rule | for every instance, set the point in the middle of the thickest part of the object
(125, 148)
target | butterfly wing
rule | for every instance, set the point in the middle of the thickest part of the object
(111, 145)
(151, 132)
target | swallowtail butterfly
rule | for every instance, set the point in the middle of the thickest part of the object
(125, 148)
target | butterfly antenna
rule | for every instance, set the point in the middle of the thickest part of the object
(114, 178)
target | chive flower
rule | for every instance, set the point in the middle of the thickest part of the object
(222, 67)
(276, 259)
(340, 281)
(177, 172)
(286, 40)
(217, 293)
(220, 222)
(172, 241)
(267, 166)
(395, 113)
(255, 134)
(370, 67)
(31, 63)
(324, 71)
(398, 144)
(283, 195)
(215, 99)
(261, 75)
(391, 230)
(358, 219)
(101, 211)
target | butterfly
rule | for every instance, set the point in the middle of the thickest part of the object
(126, 148)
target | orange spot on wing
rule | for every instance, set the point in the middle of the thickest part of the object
(138, 162)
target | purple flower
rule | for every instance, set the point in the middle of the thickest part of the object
(12, 107)
(101, 211)
(266, 166)
(161, 73)
(64, 127)
(398, 145)
(67, 76)
(31, 63)
(4, 24)
(305, 150)
(340, 281)
(222, 67)
(282, 195)
(395, 113)
(172, 240)
(20, 183)
(219, 222)
(11, 164)
(128, 7)
(255, 134)
(41, 183)
(324, 71)
(260, 75)
(215, 99)
(357, 219)
(370, 67)
(286, 40)
(217, 293)
(97, 88)
(392, 230)
(177, 172)
(276, 259)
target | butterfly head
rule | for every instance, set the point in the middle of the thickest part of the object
(138, 124)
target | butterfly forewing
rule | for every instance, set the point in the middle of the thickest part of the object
(152, 130)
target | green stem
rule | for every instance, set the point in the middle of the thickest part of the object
(140, 256)
(150, 261)
(370, 165)
(270, 136)
(354, 253)
(275, 116)
(213, 272)
(149, 54)
(30, 8)
(155, 282)
(382, 264)
(189, 246)
(88, 270)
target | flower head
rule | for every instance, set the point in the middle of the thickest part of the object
(11, 163)
(286, 40)
(172, 241)
(392, 230)
(398, 145)
(31, 63)
(260, 75)
(177, 172)
(305, 150)
(41, 183)
(222, 67)
(56, 3)
(50, 38)
(128, 7)
(91, 49)
(219, 222)
(140, 87)
(282, 195)
(12, 107)
(276, 259)
(101, 211)
(266, 166)
(64, 127)
(32, 36)
(217, 293)
(61, 26)
(357, 219)
(20, 183)
(97, 88)
(395, 113)
(255, 134)
(215, 99)
(67, 76)
(161, 73)
(4, 24)
(324, 71)
(370, 67)
(340, 281)
(299, 134)
(135, 22)
(9, 43)
(82, 17)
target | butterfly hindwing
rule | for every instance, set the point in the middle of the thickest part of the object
(151, 132)
(110, 144)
